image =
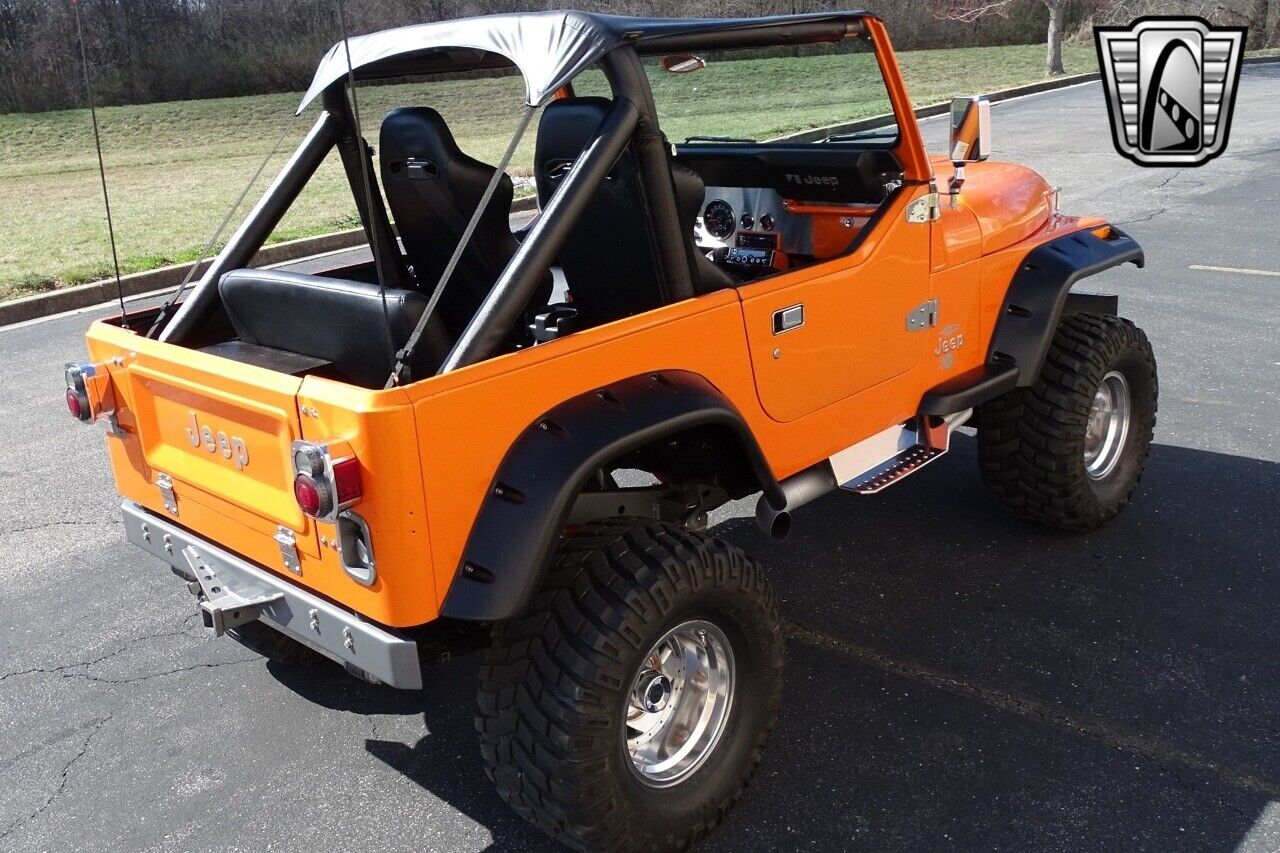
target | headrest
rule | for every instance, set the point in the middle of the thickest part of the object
(563, 131)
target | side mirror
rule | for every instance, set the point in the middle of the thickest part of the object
(970, 138)
(970, 129)
(682, 63)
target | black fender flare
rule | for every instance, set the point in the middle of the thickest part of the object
(1038, 295)
(523, 515)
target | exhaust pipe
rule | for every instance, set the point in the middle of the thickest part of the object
(797, 490)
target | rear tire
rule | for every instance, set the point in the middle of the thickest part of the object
(1069, 451)
(562, 731)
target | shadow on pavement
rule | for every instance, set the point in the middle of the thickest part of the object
(970, 682)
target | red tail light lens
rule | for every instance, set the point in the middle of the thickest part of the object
(77, 405)
(324, 486)
(77, 392)
(346, 480)
(308, 494)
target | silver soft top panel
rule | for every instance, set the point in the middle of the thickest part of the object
(548, 48)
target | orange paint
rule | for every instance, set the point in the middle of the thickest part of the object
(428, 451)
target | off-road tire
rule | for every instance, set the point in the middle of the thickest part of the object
(273, 645)
(1031, 441)
(554, 684)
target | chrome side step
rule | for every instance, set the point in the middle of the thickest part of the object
(866, 468)
(878, 462)
(886, 474)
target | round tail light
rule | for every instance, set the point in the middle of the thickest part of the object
(77, 405)
(312, 496)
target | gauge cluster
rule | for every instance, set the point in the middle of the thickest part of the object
(719, 219)
(734, 214)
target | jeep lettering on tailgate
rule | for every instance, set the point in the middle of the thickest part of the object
(232, 447)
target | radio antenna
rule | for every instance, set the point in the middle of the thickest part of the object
(102, 168)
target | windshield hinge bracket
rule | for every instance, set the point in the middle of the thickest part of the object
(927, 208)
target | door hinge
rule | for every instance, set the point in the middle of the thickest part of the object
(288, 549)
(923, 317)
(925, 209)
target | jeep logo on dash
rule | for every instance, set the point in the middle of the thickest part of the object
(231, 447)
(813, 180)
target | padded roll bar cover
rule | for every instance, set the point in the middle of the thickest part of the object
(332, 319)
(1034, 303)
(523, 516)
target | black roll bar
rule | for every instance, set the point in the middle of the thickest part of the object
(368, 198)
(653, 158)
(505, 304)
(203, 302)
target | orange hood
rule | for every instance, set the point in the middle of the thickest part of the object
(1010, 202)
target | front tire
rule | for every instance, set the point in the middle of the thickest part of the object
(1069, 451)
(627, 710)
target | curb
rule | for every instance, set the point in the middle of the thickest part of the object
(100, 292)
(940, 108)
(943, 107)
(163, 278)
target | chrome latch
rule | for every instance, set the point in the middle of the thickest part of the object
(165, 484)
(923, 317)
(788, 318)
(288, 549)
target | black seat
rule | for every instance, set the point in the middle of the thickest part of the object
(609, 260)
(333, 320)
(433, 189)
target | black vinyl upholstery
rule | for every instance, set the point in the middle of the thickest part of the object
(333, 320)
(609, 260)
(433, 189)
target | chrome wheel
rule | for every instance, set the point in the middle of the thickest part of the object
(679, 703)
(1108, 426)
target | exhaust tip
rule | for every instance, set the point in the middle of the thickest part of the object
(776, 523)
(781, 526)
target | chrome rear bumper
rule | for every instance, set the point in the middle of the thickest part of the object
(241, 591)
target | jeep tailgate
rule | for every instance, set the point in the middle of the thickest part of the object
(219, 430)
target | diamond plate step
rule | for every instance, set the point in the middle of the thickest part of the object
(892, 470)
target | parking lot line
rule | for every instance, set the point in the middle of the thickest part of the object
(1084, 725)
(1241, 270)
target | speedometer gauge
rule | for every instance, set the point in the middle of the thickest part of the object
(718, 219)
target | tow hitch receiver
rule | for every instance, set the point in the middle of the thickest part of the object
(222, 608)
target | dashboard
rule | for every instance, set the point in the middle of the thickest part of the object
(769, 208)
(754, 230)
(752, 217)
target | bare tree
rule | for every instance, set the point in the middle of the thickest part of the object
(149, 50)
(968, 11)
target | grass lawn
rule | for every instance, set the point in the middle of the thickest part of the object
(174, 169)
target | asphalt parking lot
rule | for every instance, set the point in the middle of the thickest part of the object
(956, 680)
